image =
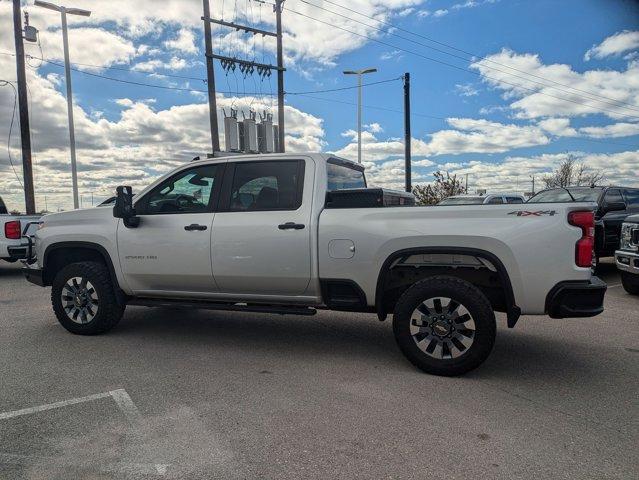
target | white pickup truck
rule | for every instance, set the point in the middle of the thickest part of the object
(280, 234)
(13, 246)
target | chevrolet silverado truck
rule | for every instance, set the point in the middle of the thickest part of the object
(293, 233)
(627, 257)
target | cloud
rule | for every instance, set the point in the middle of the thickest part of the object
(614, 45)
(622, 129)
(184, 42)
(557, 90)
(466, 90)
(174, 63)
(515, 172)
(94, 46)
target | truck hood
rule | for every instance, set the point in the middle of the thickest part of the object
(632, 219)
(78, 216)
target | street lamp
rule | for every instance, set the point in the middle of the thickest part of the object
(359, 74)
(67, 70)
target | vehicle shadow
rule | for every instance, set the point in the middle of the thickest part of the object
(517, 353)
(10, 270)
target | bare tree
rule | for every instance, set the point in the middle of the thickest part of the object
(444, 186)
(570, 173)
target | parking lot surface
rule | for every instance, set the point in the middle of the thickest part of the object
(197, 394)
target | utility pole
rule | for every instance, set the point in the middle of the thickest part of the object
(280, 74)
(210, 77)
(25, 135)
(359, 74)
(466, 182)
(407, 135)
(246, 67)
(67, 72)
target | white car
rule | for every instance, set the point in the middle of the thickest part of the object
(485, 199)
(279, 233)
(13, 246)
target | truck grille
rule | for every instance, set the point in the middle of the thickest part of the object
(634, 236)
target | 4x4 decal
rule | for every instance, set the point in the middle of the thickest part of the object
(535, 213)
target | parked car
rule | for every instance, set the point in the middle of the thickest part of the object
(260, 233)
(12, 246)
(627, 257)
(485, 199)
(614, 204)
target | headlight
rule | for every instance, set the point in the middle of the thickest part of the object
(626, 236)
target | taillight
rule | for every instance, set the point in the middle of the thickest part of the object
(585, 245)
(12, 230)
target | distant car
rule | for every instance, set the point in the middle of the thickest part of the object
(614, 204)
(627, 257)
(13, 246)
(486, 199)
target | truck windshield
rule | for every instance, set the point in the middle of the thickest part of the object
(342, 176)
(462, 201)
(579, 194)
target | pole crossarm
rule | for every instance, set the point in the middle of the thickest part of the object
(236, 26)
(246, 63)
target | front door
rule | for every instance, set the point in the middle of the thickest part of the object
(261, 240)
(170, 251)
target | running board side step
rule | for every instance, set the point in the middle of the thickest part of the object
(235, 307)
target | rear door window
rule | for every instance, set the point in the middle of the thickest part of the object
(495, 201)
(270, 185)
(613, 196)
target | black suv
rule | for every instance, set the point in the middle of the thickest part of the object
(614, 204)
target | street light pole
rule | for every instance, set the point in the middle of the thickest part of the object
(67, 70)
(359, 74)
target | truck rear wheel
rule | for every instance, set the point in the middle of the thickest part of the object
(444, 325)
(630, 282)
(84, 300)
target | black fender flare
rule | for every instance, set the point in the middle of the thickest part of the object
(513, 312)
(90, 246)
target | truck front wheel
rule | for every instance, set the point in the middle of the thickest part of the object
(630, 282)
(444, 325)
(84, 300)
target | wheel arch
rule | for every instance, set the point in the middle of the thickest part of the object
(513, 312)
(58, 255)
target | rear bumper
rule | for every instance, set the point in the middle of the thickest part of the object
(576, 299)
(627, 261)
(17, 253)
(34, 275)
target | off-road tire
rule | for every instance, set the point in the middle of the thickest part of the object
(109, 311)
(462, 292)
(630, 283)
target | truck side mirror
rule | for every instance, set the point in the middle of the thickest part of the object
(123, 207)
(613, 207)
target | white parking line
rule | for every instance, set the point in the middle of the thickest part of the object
(615, 285)
(51, 406)
(124, 403)
(135, 469)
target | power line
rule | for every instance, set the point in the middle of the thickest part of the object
(4, 83)
(457, 67)
(346, 88)
(396, 27)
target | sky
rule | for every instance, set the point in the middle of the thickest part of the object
(501, 90)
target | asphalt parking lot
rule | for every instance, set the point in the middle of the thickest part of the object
(195, 394)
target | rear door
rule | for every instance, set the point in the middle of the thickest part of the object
(261, 242)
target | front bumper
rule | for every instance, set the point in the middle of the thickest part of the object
(576, 298)
(34, 275)
(627, 261)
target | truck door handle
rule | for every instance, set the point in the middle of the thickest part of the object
(291, 226)
(195, 226)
